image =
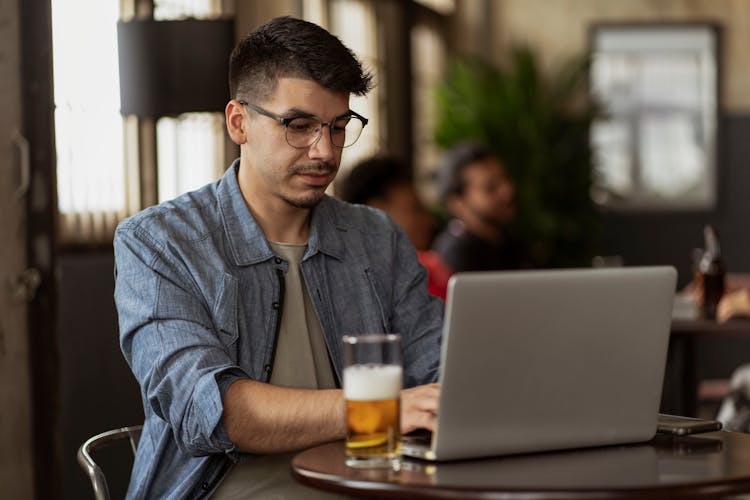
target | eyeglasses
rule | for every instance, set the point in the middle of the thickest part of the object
(302, 131)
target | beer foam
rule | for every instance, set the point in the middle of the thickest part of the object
(372, 382)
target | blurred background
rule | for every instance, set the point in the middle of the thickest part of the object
(623, 125)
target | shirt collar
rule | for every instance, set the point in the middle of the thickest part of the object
(247, 242)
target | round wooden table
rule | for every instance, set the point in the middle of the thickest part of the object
(708, 465)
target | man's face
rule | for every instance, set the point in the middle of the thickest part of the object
(274, 169)
(488, 192)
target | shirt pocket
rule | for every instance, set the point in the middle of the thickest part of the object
(225, 312)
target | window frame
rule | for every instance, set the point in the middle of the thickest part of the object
(640, 200)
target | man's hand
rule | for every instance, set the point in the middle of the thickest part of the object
(419, 407)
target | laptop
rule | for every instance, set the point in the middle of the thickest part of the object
(549, 360)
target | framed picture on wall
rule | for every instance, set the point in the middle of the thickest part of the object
(655, 145)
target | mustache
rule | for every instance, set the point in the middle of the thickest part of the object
(314, 168)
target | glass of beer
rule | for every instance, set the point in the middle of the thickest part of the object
(372, 386)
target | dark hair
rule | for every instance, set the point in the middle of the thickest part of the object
(453, 162)
(290, 47)
(372, 178)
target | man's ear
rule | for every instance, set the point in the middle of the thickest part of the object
(235, 122)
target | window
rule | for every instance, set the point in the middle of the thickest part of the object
(354, 22)
(89, 128)
(190, 151)
(190, 147)
(109, 164)
(655, 148)
(98, 174)
(180, 9)
(428, 67)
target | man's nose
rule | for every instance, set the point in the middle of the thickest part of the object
(323, 148)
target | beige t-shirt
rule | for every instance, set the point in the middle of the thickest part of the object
(302, 362)
(302, 359)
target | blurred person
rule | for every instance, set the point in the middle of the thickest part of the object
(480, 197)
(734, 302)
(385, 183)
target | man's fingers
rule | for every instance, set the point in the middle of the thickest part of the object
(418, 420)
(419, 407)
(424, 397)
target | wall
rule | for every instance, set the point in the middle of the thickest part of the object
(15, 402)
(559, 28)
(97, 389)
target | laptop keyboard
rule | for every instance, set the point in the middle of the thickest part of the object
(418, 437)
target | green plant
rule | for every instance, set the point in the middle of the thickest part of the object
(539, 126)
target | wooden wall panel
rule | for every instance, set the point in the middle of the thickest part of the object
(15, 401)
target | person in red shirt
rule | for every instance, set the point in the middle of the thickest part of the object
(385, 183)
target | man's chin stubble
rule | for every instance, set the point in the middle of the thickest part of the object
(306, 202)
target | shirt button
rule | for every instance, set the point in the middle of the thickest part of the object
(204, 485)
(277, 260)
(267, 368)
(276, 305)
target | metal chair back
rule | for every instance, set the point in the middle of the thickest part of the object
(103, 440)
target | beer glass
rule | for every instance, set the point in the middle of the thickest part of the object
(372, 387)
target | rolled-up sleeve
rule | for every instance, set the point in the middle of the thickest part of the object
(171, 342)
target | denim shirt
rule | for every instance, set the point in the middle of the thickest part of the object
(199, 295)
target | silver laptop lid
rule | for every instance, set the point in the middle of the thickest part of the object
(545, 360)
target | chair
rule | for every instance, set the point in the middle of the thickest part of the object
(103, 440)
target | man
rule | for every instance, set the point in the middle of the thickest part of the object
(233, 299)
(481, 198)
(385, 183)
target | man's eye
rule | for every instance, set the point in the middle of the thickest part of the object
(339, 126)
(302, 125)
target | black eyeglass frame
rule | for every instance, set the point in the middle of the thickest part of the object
(286, 121)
